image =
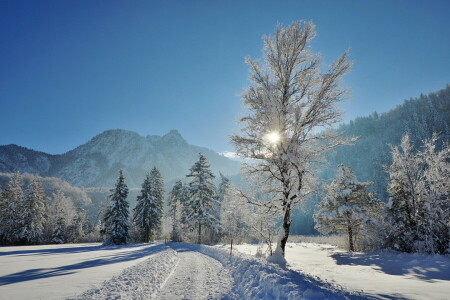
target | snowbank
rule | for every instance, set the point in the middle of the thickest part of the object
(259, 279)
(376, 274)
(141, 281)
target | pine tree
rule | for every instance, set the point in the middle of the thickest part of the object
(33, 214)
(405, 186)
(347, 206)
(60, 214)
(222, 191)
(176, 202)
(59, 235)
(11, 210)
(115, 219)
(149, 209)
(202, 193)
(420, 192)
(436, 197)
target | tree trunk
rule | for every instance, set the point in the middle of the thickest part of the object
(350, 238)
(286, 227)
(199, 233)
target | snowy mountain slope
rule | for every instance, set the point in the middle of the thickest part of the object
(96, 163)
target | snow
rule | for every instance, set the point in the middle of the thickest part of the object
(141, 281)
(62, 271)
(190, 271)
(379, 275)
(197, 276)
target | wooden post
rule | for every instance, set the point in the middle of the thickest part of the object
(231, 249)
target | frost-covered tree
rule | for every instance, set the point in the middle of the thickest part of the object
(11, 222)
(177, 199)
(347, 206)
(60, 214)
(419, 205)
(202, 197)
(59, 235)
(33, 214)
(405, 187)
(78, 227)
(115, 219)
(436, 197)
(149, 209)
(289, 100)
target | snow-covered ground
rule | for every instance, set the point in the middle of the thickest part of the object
(379, 275)
(187, 271)
(61, 271)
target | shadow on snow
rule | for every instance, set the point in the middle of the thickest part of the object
(423, 267)
(34, 274)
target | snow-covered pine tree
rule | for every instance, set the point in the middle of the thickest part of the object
(78, 226)
(33, 214)
(60, 213)
(420, 191)
(11, 210)
(175, 213)
(289, 99)
(115, 219)
(405, 186)
(59, 235)
(202, 193)
(149, 209)
(347, 206)
(222, 191)
(436, 197)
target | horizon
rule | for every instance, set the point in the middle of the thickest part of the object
(71, 70)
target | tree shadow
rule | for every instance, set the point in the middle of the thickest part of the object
(33, 274)
(65, 250)
(423, 267)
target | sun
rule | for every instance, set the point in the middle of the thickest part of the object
(273, 137)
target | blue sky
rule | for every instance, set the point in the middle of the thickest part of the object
(71, 69)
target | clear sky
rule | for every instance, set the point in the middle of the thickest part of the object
(72, 69)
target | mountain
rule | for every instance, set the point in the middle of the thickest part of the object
(96, 163)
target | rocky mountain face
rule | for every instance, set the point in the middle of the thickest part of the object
(96, 163)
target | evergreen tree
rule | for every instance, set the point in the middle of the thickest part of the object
(78, 226)
(222, 191)
(59, 231)
(115, 219)
(420, 192)
(149, 209)
(11, 210)
(175, 213)
(347, 206)
(202, 193)
(33, 214)
(405, 187)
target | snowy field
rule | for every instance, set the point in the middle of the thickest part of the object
(379, 275)
(152, 271)
(187, 271)
(61, 271)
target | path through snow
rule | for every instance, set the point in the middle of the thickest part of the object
(197, 276)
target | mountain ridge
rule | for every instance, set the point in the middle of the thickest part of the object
(96, 162)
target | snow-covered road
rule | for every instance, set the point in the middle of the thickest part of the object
(196, 276)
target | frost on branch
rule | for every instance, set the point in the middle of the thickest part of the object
(289, 99)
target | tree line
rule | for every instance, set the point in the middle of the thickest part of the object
(417, 216)
(198, 211)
